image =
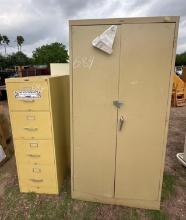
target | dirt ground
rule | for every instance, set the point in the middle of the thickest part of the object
(176, 206)
(16, 205)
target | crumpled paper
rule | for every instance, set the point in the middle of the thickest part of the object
(105, 41)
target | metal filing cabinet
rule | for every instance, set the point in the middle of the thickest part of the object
(39, 112)
(120, 109)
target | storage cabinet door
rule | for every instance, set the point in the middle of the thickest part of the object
(145, 67)
(95, 86)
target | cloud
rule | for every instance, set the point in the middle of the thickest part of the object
(46, 21)
(165, 8)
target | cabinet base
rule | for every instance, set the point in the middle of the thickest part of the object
(145, 204)
(40, 190)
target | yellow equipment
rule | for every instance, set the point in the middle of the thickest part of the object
(178, 92)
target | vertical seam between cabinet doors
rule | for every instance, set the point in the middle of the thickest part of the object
(118, 83)
(167, 113)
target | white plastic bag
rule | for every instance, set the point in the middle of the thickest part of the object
(105, 41)
(2, 154)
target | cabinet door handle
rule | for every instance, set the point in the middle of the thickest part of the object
(36, 181)
(32, 155)
(117, 103)
(121, 122)
(31, 129)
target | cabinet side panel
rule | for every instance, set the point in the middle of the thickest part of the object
(59, 92)
(71, 108)
(172, 72)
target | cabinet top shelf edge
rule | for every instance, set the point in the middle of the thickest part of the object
(137, 20)
(33, 78)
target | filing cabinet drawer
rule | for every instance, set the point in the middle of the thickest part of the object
(34, 151)
(38, 189)
(28, 96)
(31, 125)
(37, 175)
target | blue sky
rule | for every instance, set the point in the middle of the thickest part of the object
(46, 21)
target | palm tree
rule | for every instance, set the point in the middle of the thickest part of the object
(5, 41)
(20, 41)
(1, 39)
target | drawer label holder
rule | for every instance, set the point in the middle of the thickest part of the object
(27, 94)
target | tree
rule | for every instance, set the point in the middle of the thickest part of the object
(181, 59)
(50, 53)
(1, 39)
(5, 41)
(3, 62)
(18, 59)
(14, 59)
(20, 41)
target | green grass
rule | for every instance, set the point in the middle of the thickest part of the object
(47, 207)
(168, 187)
(2, 176)
(157, 215)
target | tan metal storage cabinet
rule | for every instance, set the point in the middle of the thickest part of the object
(111, 163)
(39, 112)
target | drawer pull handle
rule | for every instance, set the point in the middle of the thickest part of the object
(31, 129)
(32, 155)
(36, 181)
(36, 170)
(33, 145)
(28, 100)
(30, 117)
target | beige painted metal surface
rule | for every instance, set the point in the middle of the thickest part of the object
(94, 114)
(143, 88)
(31, 125)
(108, 164)
(31, 151)
(117, 21)
(28, 104)
(59, 69)
(39, 127)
